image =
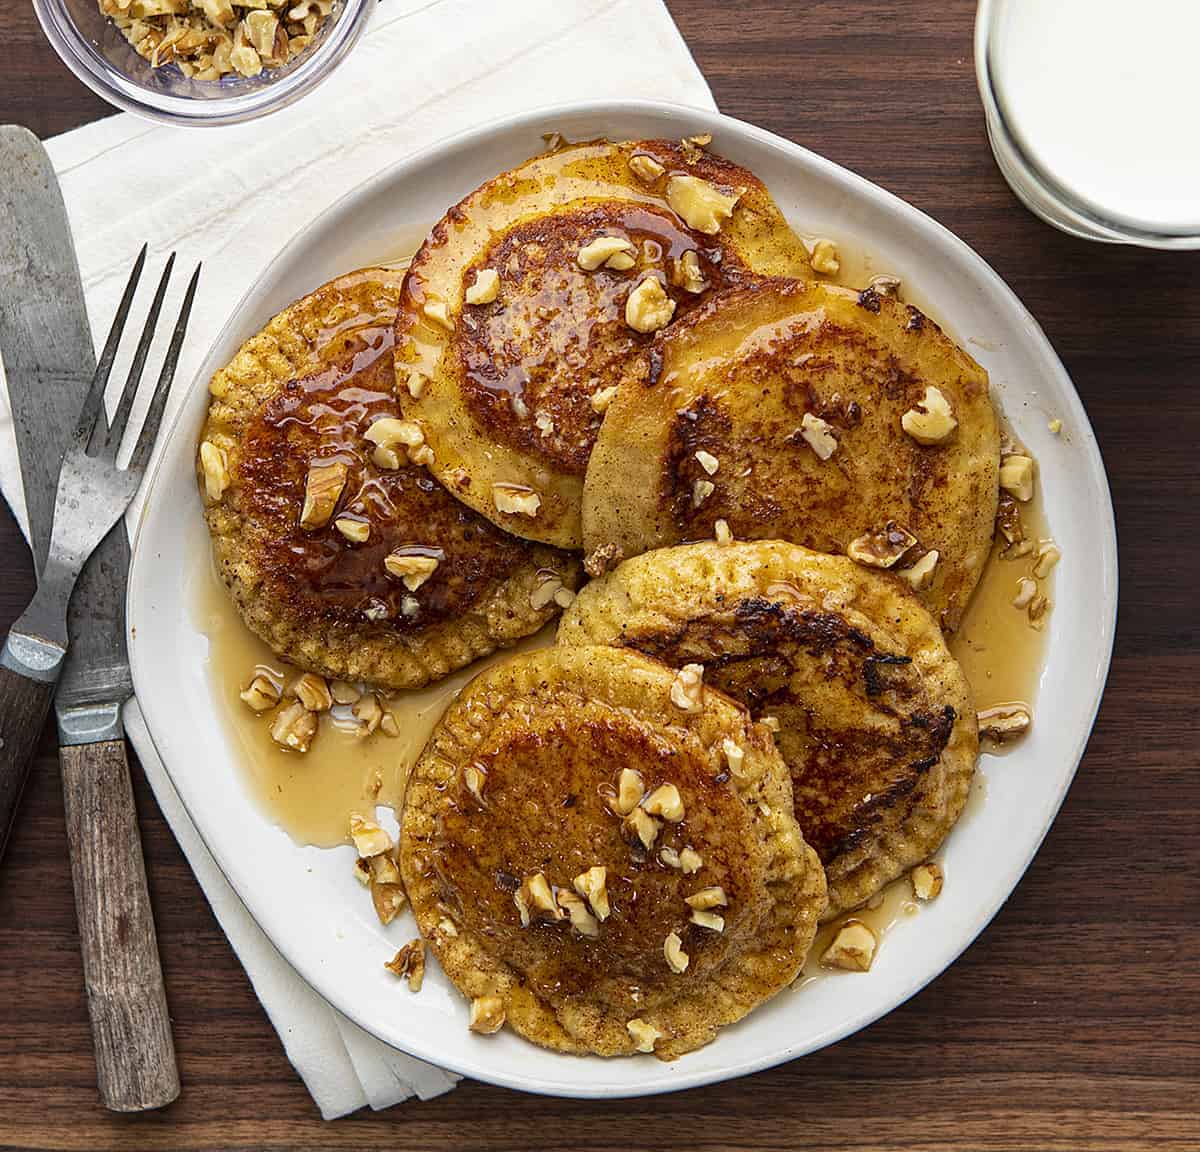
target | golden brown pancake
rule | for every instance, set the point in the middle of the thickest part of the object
(304, 391)
(875, 718)
(505, 390)
(519, 782)
(794, 395)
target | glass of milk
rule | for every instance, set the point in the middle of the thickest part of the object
(1092, 113)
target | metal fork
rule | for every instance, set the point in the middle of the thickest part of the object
(93, 493)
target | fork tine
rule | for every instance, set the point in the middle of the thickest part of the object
(162, 389)
(95, 394)
(121, 417)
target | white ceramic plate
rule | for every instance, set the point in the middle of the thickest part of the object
(326, 928)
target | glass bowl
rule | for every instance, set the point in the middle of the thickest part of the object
(98, 53)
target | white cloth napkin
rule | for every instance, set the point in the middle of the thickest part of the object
(232, 197)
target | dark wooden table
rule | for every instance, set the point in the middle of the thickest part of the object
(1073, 1022)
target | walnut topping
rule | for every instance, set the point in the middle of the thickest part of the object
(1055, 426)
(735, 755)
(383, 869)
(641, 825)
(920, 575)
(535, 897)
(564, 597)
(688, 274)
(693, 147)
(487, 1015)
(648, 307)
(824, 258)
(294, 727)
(1008, 520)
(699, 204)
(416, 384)
(368, 712)
(690, 861)
(630, 791)
(409, 964)
(710, 920)
(412, 570)
(677, 958)
(474, 777)
(1048, 556)
(927, 880)
(708, 462)
(215, 465)
(1004, 722)
(882, 547)
(322, 490)
(610, 251)
(853, 948)
(388, 458)
(687, 688)
(516, 500)
(1017, 475)
(818, 434)
(389, 432)
(486, 287)
(312, 691)
(592, 885)
(645, 168)
(1038, 607)
(439, 313)
(388, 724)
(602, 399)
(771, 723)
(885, 285)
(713, 897)
(722, 533)
(932, 421)
(544, 423)
(260, 694)
(343, 692)
(666, 802)
(543, 595)
(388, 901)
(581, 919)
(362, 871)
(356, 531)
(669, 857)
(701, 491)
(643, 1034)
(369, 839)
(1026, 591)
(446, 928)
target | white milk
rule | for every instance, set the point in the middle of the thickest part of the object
(1101, 96)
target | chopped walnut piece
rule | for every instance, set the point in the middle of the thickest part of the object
(920, 575)
(383, 868)
(516, 500)
(409, 964)
(602, 399)
(927, 880)
(693, 147)
(608, 251)
(592, 885)
(412, 570)
(687, 689)
(1017, 474)
(771, 723)
(215, 465)
(368, 713)
(713, 921)
(708, 462)
(640, 825)
(369, 839)
(701, 491)
(577, 910)
(564, 597)
(713, 897)
(388, 724)
(1026, 591)
(735, 755)
(487, 1015)
(648, 307)
(1004, 722)
(260, 694)
(885, 285)
(1048, 555)
(388, 458)
(1008, 520)
(1055, 426)
(818, 435)
(643, 1034)
(343, 692)
(645, 168)
(824, 258)
(677, 958)
(439, 313)
(446, 928)
(722, 533)
(688, 273)
(294, 727)
(666, 802)
(932, 421)
(538, 897)
(1039, 606)
(544, 423)
(543, 595)
(699, 204)
(853, 948)
(416, 384)
(356, 531)
(474, 777)
(690, 861)
(630, 791)
(390, 432)
(362, 871)
(388, 901)
(312, 691)
(883, 547)
(322, 490)
(669, 857)
(486, 287)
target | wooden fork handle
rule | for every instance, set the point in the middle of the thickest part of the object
(23, 707)
(131, 1029)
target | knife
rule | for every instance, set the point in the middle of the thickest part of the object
(49, 360)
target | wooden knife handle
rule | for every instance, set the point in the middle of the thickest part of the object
(135, 1052)
(23, 707)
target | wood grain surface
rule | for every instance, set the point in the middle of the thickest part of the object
(1073, 1022)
